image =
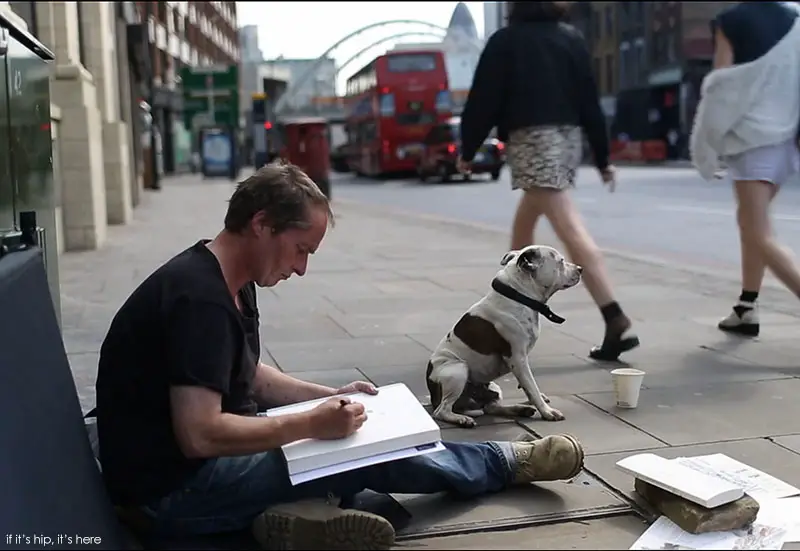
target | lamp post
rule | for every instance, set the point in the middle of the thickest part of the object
(156, 182)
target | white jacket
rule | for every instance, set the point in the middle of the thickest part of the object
(748, 105)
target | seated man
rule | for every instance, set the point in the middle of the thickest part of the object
(180, 384)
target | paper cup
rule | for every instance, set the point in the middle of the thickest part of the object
(627, 384)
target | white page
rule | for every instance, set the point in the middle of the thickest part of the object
(757, 484)
(784, 512)
(307, 476)
(665, 534)
(393, 414)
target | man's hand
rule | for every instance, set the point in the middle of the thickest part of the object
(358, 386)
(609, 176)
(336, 418)
(463, 166)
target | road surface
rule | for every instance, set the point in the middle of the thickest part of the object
(666, 213)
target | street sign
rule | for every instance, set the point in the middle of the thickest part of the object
(213, 91)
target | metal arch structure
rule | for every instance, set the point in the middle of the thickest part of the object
(380, 41)
(316, 65)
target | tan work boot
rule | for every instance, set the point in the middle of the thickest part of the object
(558, 457)
(317, 524)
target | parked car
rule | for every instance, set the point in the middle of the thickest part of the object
(441, 148)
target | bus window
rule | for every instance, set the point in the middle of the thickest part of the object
(411, 63)
(386, 106)
(444, 103)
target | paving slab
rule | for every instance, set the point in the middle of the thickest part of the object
(398, 323)
(609, 533)
(413, 376)
(779, 355)
(698, 366)
(790, 442)
(442, 300)
(335, 378)
(278, 329)
(711, 413)
(655, 335)
(760, 453)
(461, 277)
(344, 353)
(80, 341)
(599, 431)
(547, 502)
(84, 369)
(560, 375)
(503, 430)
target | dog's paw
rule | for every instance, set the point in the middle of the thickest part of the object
(466, 422)
(552, 414)
(526, 411)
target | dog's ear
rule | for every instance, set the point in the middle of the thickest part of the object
(506, 258)
(529, 259)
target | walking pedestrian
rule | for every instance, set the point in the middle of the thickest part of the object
(748, 117)
(534, 82)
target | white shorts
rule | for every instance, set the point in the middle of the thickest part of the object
(771, 163)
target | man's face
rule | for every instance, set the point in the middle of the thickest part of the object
(279, 256)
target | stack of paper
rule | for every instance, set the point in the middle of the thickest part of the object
(778, 519)
(397, 427)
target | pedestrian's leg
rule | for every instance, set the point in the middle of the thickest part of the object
(568, 225)
(743, 319)
(754, 198)
(525, 220)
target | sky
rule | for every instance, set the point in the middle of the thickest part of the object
(307, 29)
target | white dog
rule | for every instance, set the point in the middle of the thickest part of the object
(495, 336)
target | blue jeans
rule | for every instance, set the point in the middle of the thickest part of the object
(228, 493)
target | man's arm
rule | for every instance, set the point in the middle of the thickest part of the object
(203, 430)
(274, 388)
(200, 351)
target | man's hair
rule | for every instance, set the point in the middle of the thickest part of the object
(283, 192)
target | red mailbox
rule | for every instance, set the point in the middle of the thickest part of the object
(305, 144)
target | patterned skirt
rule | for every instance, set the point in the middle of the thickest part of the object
(545, 156)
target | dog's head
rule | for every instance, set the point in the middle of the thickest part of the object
(539, 271)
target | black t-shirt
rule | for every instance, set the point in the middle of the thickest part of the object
(181, 326)
(754, 28)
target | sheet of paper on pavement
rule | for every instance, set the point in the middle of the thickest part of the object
(784, 511)
(665, 534)
(759, 485)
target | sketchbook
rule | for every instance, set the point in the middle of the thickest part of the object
(397, 426)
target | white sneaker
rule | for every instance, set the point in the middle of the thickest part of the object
(743, 320)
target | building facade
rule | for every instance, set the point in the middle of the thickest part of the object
(320, 84)
(492, 18)
(462, 49)
(248, 44)
(251, 59)
(183, 34)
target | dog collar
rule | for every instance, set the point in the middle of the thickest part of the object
(535, 305)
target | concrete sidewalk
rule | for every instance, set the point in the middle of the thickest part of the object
(385, 287)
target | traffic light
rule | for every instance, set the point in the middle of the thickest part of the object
(267, 125)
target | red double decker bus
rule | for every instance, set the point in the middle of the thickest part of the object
(391, 105)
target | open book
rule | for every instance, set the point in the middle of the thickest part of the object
(397, 427)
